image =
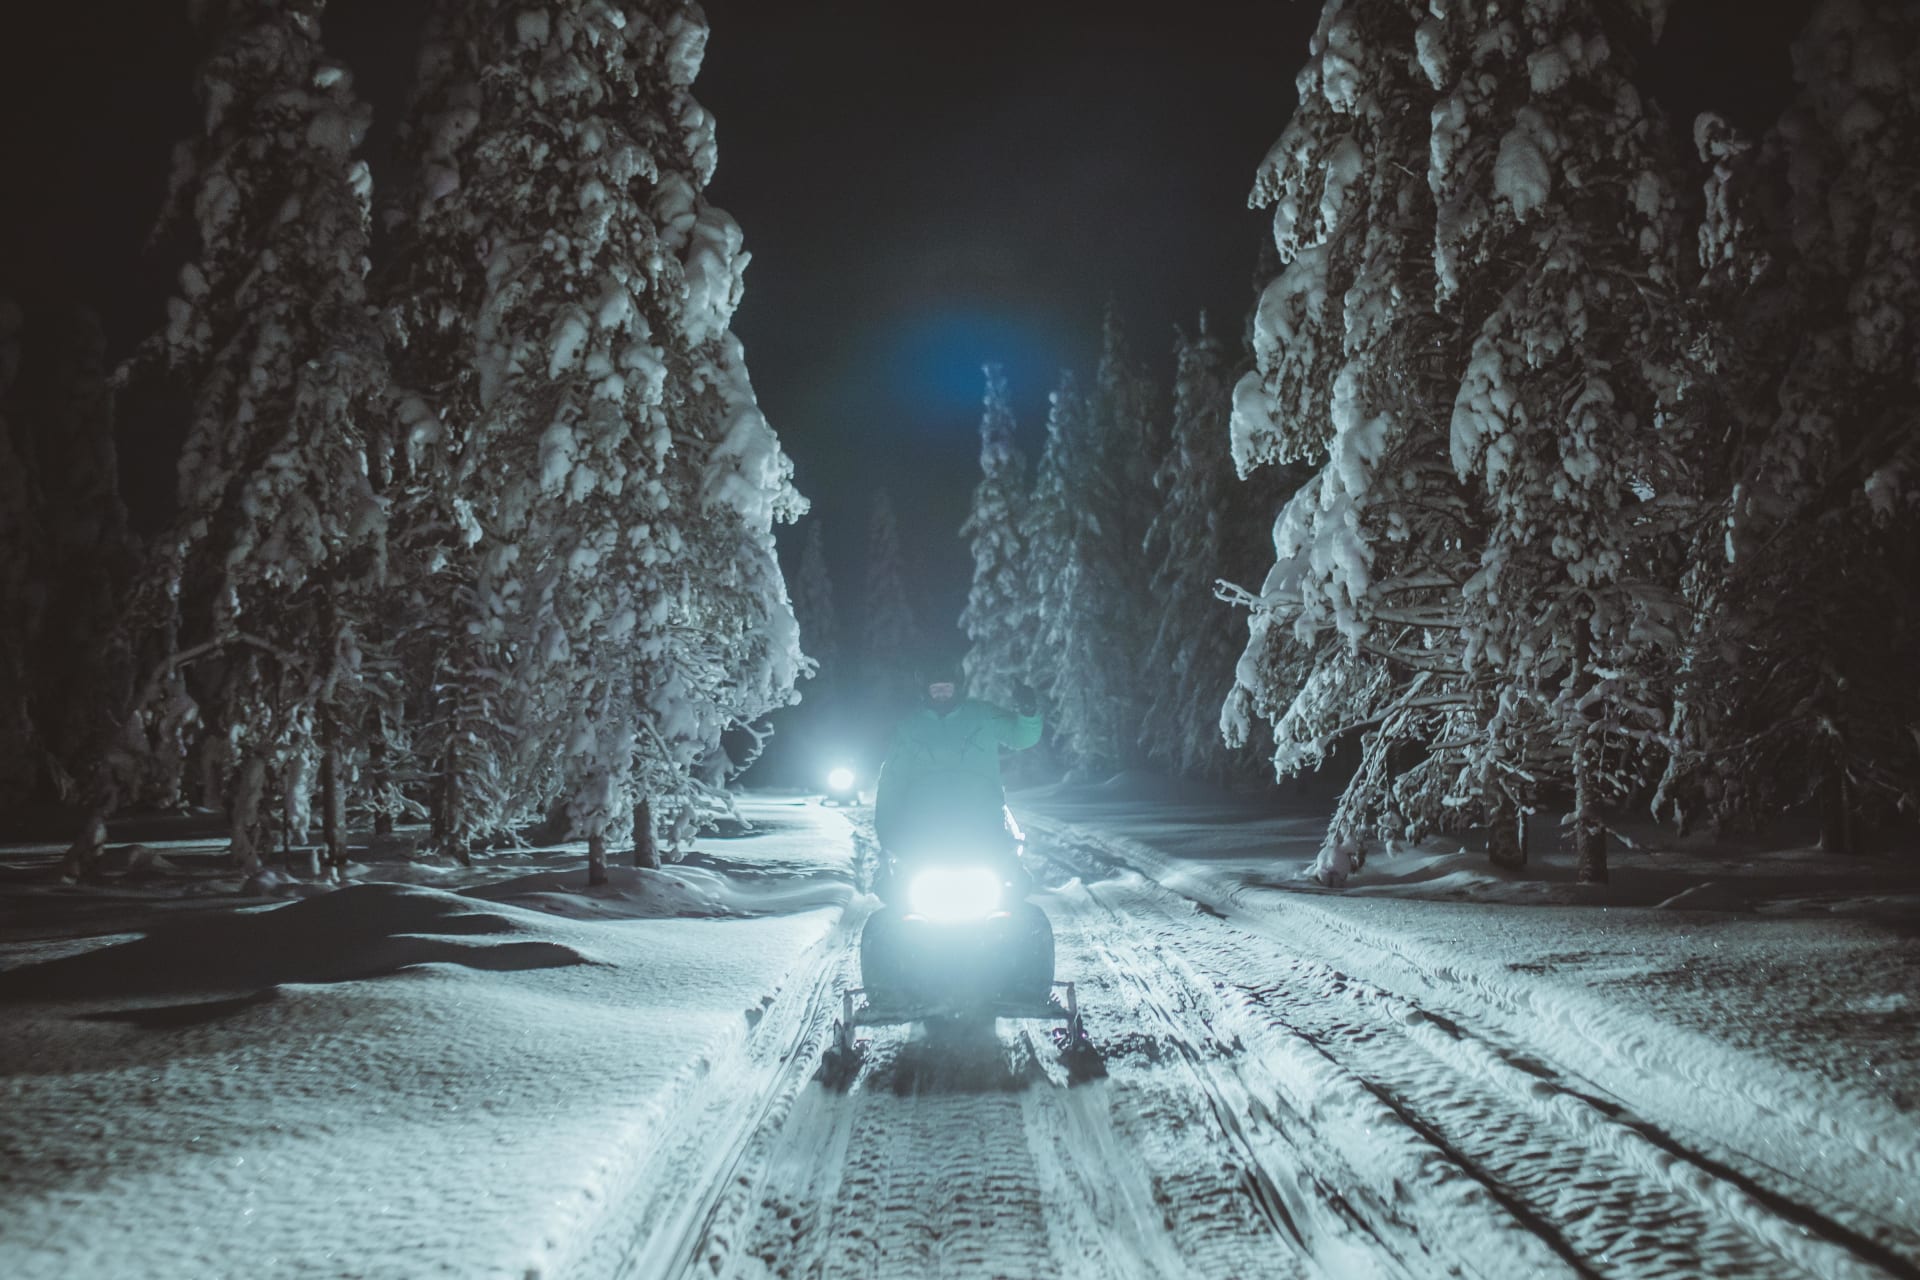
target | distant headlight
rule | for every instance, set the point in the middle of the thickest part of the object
(949, 894)
(840, 779)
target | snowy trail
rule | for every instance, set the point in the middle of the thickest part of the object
(1617, 1192)
(1265, 1112)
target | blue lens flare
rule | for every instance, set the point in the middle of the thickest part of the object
(933, 360)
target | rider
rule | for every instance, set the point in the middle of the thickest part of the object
(941, 780)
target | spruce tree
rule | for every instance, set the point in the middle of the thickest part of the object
(1203, 531)
(1094, 528)
(1482, 595)
(1557, 245)
(1044, 531)
(999, 616)
(1355, 630)
(890, 640)
(592, 483)
(20, 593)
(82, 559)
(279, 533)
(1797, 687)
(813, 609)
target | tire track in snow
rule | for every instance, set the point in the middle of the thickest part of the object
(675, 1212)
(980, 1159)
(1291, 1162)
(1728, 1207)
(1811, 1182)
(920, 1169)
(1107, 1209)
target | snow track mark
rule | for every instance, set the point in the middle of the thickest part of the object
(921, 1168)
(1610, 1189)
(683, 1199)
(1295, 1178)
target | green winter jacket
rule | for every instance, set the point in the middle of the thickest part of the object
(948, 762)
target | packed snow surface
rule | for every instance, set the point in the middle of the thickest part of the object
(389, 1080)
(1704, 1068)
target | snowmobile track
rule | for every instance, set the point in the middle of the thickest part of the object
(1691, 1212)
(682, 1198)
(1267, 1110)
(1280, 1181)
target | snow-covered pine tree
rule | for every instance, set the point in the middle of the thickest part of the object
(593, 484)
(82, 553)
(1557, 248)
(735, 619)
(1044, 530)
(279, 532)
(1354, 632)
(1107, 445)
(1799, 681)
(813, 609)
(819, 720)
(724, 648)
(890, 639)
(999, 616)
(20, 592)
(1205, 529)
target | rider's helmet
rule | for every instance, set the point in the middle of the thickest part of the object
(942, 683)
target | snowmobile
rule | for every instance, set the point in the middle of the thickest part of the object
(955, 946)
(843, 788)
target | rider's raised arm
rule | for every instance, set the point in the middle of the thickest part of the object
(1015, 730)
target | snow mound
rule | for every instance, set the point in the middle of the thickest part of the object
(1137, 785)
(361, 931)
(134, 861)
(693, 890)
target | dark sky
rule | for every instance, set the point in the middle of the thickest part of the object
(922, 195)
(923, 186)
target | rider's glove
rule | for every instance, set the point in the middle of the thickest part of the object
(1025, 700)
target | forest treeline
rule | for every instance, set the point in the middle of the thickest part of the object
(473, 517)
(1567, 462)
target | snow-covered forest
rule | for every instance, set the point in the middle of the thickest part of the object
(1566, 462)
(1379, 747)
(1586, 439)
(474, 510)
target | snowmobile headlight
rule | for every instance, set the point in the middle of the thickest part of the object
(949, 894)
(840, 780)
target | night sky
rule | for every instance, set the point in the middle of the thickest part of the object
(923, 188)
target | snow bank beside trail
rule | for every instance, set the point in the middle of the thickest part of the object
(236, 1095)
(360, 931)
(685, 890)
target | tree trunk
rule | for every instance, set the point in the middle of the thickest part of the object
(596, 858)
(448, 811)
(437, 810)
(646, 849)
(87, 845)
(333, 802)
(380, 778)
(1589, 833)
(283, 787)
(246, 827)
(1838, 832)
(1506, 833)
